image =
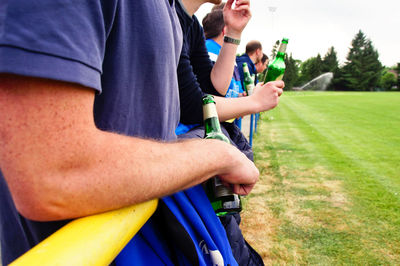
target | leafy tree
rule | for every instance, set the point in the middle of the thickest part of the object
(291, 73)
(398, 76)
(388, 80)
(310, 69)
(274, 50)
(330, 62)
(316, 67)
(304, 75)
(363, 68)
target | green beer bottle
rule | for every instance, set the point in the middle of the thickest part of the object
(277, 68)
(222, 199)
(248, 82)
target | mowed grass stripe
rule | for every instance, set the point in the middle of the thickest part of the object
(312, 227)
(377, 194)
(335, 228)
(359, 145)
(372, 179)
(332, 201)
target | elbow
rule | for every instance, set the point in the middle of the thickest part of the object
(35, 211)
(35, 200)
(38, 208)
(220, 86)
(222, 89)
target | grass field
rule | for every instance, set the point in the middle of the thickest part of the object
(329, 192)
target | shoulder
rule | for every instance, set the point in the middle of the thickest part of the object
(47, 45)
(240, 58)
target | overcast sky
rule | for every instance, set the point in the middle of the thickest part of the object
(313, 26)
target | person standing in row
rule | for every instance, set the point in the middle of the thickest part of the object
(214, 30)
(252, 56)
(262, 64)
(195, 79)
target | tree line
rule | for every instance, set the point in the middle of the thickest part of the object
(362, 70)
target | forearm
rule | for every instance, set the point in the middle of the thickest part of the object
(265, 97)
(58, 165)
(229, 108)
(107, 171)
(221, 74)
(235, 20)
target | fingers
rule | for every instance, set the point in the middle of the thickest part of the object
(242, 190)
(242, 2)
(241, 173)
(240, 5)
(228, 5)
(243, 8)
(280, 83)
(279, 91)
(277, 83)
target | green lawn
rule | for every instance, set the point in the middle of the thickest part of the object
(330, 180)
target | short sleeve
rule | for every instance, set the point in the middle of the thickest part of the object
(55, 39)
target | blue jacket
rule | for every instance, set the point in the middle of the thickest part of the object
(252, 68)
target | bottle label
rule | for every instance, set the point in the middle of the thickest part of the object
(282, 48)
(209, 111)
(250, 88)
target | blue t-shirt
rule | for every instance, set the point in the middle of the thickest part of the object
(235, 87)
(111, 46)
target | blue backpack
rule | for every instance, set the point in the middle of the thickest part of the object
(183, 231)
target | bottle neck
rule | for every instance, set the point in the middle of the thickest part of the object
(246, 71)
(282, 50)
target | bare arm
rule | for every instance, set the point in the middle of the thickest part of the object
(58, 165)
(265, 97)
(235, 21)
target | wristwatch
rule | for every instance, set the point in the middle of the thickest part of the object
(231, 40)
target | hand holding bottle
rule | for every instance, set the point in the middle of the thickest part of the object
(266, 96)
(220, 192)
(241, 173)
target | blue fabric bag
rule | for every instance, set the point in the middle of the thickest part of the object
(184, 231)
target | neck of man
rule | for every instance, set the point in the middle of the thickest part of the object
(219, 39)
(192, 6)
(253, 58)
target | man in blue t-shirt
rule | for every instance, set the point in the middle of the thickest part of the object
(214, 31)
(82, 116)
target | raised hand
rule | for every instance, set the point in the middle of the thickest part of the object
(236, 18)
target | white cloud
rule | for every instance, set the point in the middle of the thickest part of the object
(313, 26)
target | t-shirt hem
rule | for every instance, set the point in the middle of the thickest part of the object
(34, 64)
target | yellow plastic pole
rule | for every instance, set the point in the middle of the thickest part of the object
(91, 240)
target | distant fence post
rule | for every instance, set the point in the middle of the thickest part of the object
(251, 130)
